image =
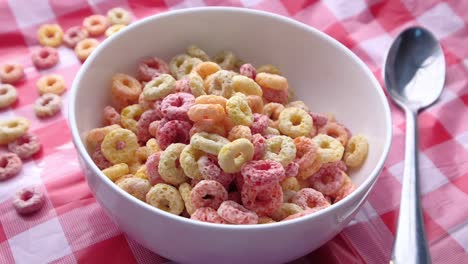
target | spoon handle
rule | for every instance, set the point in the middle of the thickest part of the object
(410, 244)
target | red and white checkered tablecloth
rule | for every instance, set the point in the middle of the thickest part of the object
(73, 228)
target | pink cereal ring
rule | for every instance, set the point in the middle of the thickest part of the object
(248, 70)
(210, 170)
(329, 179)
(207, 214)
(309, 198)
(10, 165)
(144, 122)
(235, 213)
(183, 86)
(175, 106)
(344, 191)
(45, 57)
(29, 200)
(208, 193)
(262, 173)
(335, 130)
(74, 35)
(152, 169)
(263, 202)
(291, 170)
(25, 146)
(99, 159)
(276, 96)
(239, 181)
(260, 146)
(150, 68)
(173, 131)
(235, 196)
(111, 116)
(260, 123)
(319, 120)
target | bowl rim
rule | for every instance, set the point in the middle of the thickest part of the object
(363, 189)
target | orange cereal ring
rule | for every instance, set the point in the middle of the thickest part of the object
(52, 83)
(246, 85)
(273, 110)
(206, 68)
(307, 157)
(271, 81)
(50, 35)
(255, 103)
(209, 126)
(84, 48)
(11, 73)
(211, 99)
(335, 130)
(96, 25)
(125, 89)
(199, 112)
(240, 131)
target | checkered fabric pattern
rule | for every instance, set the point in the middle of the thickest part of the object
(73, 228)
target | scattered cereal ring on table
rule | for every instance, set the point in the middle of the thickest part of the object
(159, 87)
(175, 106)
(119, 146)
(150, 68)
(235, 213)
(294, 122)
(114, 29)
(130, 115)
(50, 35)
(309, 198)
(225, 59)
(208, 193)
(245, 85)
(263, 202)
(28, 200)
(96, 25)
(74, 35)
(248, 71)
(255, 103)
(47, 105)
(185, 189)
(356, 151)
(11, 73)
(10, 165)
(52, 83)
(12, 129)
(261, 174)
(206, 68)
(235, 154)
(207, 142)
(118, 15)
(210, 170)
(329, 148)
(207, 214)
(166, 198)
(281, 149)
(220, 83)
(196, 52)
(286, 210)
(85, 47)
(238, 110)
(173, 131)
(25, 146)
(45, 57)
(169, 168)
(8, 95)
(136, 187)
(124, 89)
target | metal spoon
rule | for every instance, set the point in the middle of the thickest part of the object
(414, 76)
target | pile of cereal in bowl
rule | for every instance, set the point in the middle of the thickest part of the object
(217, 140)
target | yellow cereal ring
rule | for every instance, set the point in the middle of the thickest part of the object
(119, 16)
(188, 162)
(207, 142)
(141, 173)
(240, 131)
(234, 155)
(96, 135)
(329, 148)
(265, 220)
(246, 85)
(187, 67)
(272, 81)
(116, 171)
(220, 83)
(281, 149)
(286, 210)
(356, 151)
(199, 112)
(52, 83)
(135, 166)
(85, 47)
(114, 29)
(290, 184)
(184, 190)
(273, 110)
(176, 62)
(12, 129)
(50, 35)
(196, 84)
(166, 198)
(119, 146)
(211, 99)
(255, 103)
(206, 68)
(130, 115)
(271, 131)
(225, 59)
(268, 68)
(196, 52)
(137, 187)
(153, 146)
(159, 87)
(168, 169)
(238, 110)
(295, 122)
(299, 104)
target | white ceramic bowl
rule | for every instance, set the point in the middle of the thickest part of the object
(322, 72)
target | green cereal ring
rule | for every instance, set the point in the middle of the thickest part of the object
(159, 87)
(176, 62)
(168, 168)
(188, 162)
(208, 142)
(196, 52)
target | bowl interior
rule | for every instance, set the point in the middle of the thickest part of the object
(321, 72)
